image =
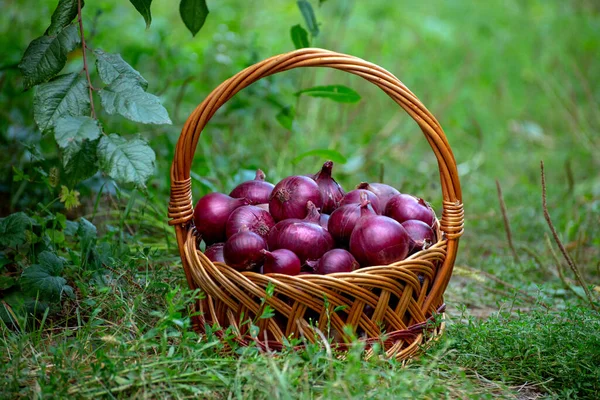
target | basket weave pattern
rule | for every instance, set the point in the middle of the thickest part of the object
(400, 297)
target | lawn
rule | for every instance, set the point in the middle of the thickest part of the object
(513, 83)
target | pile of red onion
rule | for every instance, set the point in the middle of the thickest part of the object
(309, 224)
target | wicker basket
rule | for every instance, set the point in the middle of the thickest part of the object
(402, 297)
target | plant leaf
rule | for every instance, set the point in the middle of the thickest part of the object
(13, 229)
(112, 66)
(338, 93)
(69, 197)
(299, 37)
(46, 56)
(65, 95)
(74, 130)
(143, 7)
(286, 116)
(126, 161)
(326, 154)
(193, 14)
(88, 235)
(44, 280)
(80, 161)
(126, 97)
(62, 16)
(309, 17)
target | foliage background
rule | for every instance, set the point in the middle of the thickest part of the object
(512, 83)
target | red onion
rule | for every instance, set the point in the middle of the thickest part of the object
(211, 214)
(331, 191)
(324, 221)
(403, 207)
(421, 234)
(215, 252)
(257, 191)
(378, 240)
(255, 218)
(305, 237)
(382, 191)
(336, 260)
(343, 220)
(243, 251)
(355, 197)
(289, 198)
(281, 261)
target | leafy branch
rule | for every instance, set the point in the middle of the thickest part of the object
(64, 104)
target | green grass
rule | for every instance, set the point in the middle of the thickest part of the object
(511, 82)
(557, 351)
(143, 347)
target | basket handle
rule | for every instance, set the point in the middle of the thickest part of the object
(451, 223)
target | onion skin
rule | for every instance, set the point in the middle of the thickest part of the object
(421, 234)
(289, 198)
(356, 197)
(255, 218)
(305, 237)
(264, 206)
(281, 261)
(243, 251)
(379, 240)
(310, 265)
(336, 260)
(331, 191)
(403, 207)
(382, 191)
(256, 191)
(211, 214)
(324, 221)
(215, 252)
(342, 222)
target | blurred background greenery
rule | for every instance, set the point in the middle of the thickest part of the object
(512, 83)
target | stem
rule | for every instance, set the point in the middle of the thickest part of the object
(85, 64)
(506, 222)
(570, 262)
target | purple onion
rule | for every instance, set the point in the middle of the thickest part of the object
(289, 197)
(343, 220)
(403, 207)
(356, 196)
(382, 191)
(215, 252)
(378, 240)
(421, 234)
(331, 191)
(336, 260)
(211, 214)
(281, 261)
(255, 218)
(256, 191)
(243, 251)
(305, 237)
